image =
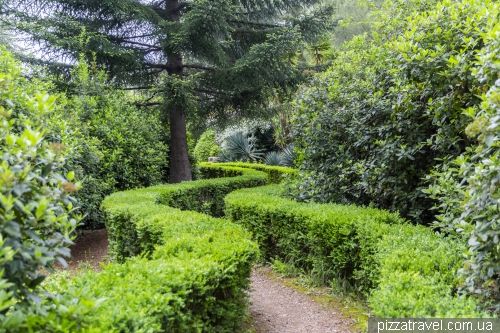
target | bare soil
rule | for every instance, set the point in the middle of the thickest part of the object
(275, 307)
(90, 249)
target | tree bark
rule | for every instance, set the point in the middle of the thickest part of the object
(180, 169)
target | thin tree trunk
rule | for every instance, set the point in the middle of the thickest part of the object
(180, 170)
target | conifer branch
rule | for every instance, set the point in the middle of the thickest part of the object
(147, 104)
(267, 25)
(166, 67)
(152, 47)
(138, 88)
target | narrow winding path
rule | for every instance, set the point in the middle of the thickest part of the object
(275, 307)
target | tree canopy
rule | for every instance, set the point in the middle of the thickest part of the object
(206, 60)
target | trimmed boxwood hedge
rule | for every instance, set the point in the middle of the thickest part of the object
(275, 174)
(192, 270)
(128, 214)
(405, 270)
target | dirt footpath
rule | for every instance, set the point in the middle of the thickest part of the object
(277, 308)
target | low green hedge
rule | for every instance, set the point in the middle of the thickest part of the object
(275, 174)
(128, 213)
(406, 270)
(194, 268)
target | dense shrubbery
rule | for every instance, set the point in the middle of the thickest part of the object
(194, 270)
(467, 188)
(275, 174)
(406, 271)
(206, 147)
(191, 277)
(391, 108)
(116, 146)
(35, 204)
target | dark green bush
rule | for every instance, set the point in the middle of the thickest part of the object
(115, 146)
(128, 237)
(206, 146)
(467, 188)
(391, 108)
(36, 212)
(406, 271)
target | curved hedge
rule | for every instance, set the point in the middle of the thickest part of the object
(194, 268)
(275, 174)
(406, 270)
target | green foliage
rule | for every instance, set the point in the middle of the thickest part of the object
(205, 60)
(207, 195)
(372, 135)
(195, 267)
(275, 174)
(272, 158)
(467, 187)
(406, 271)
(116, 146)
(53, 314)
(206, 146)
(35, 201)
(240, 147)
(192, 276)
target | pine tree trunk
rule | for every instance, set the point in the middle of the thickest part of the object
(180, 170)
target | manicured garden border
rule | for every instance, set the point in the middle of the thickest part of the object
(275, 174)
(405, 270)
(176, 270)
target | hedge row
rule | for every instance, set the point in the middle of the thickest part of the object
(194, 268)
(127, 213)
(275, 174)
(406, 270)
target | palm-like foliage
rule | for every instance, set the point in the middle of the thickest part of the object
(287, 156)
(273, 158)
(239, 147)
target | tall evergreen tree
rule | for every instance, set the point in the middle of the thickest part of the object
(223, 57)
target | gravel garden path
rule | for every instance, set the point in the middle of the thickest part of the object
(275, 308)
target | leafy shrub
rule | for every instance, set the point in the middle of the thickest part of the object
(207, 196)
(192, 276)
(205, 146)
(406, 271)
(372, 135)
(467, 187)
(117, 146)
(35, 201)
